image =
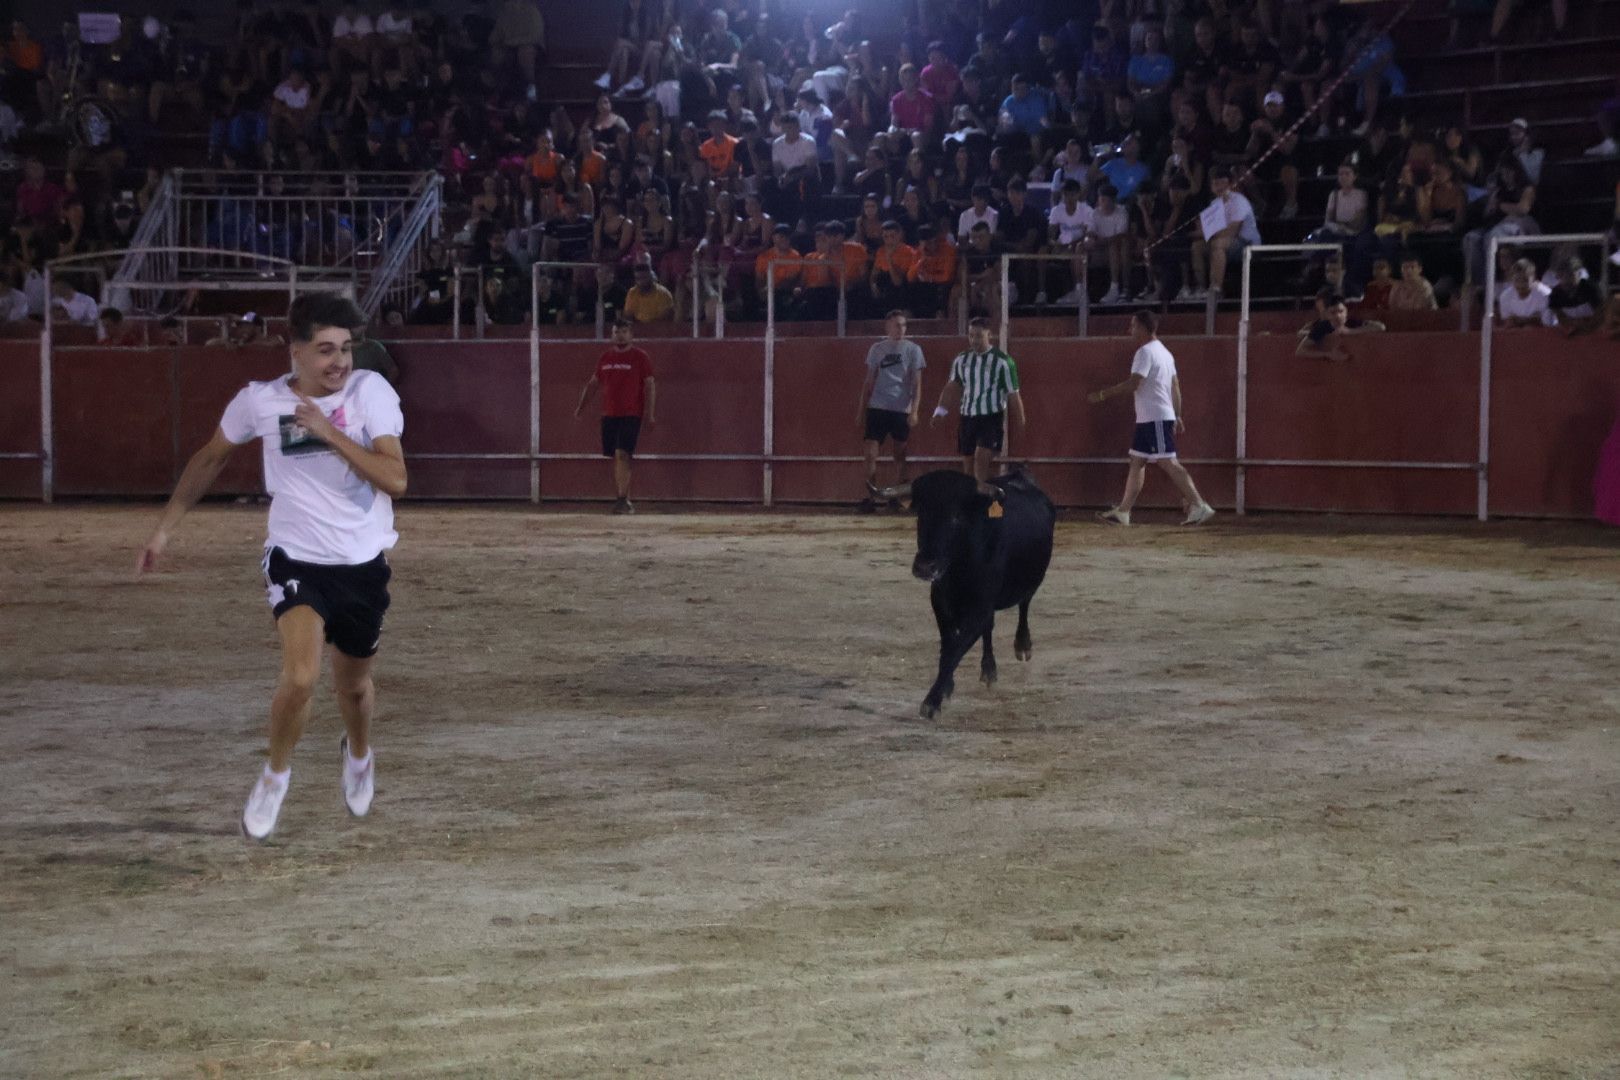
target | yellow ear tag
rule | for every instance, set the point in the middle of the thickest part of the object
(996, 510)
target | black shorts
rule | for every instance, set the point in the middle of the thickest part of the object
(620, 433)
(977, 431)
(887, 424)
(351, 600)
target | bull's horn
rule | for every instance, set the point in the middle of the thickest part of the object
(899, 491)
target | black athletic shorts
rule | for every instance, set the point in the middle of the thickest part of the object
(887, 424)
(977, 431)
(351, 600)
(620, 433)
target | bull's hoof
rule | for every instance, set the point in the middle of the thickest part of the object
(929, 710)
(988, 676)
(1023, 652)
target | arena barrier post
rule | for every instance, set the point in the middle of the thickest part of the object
(47, 436)
(770, 379)
(534, 385)
(1487, 327)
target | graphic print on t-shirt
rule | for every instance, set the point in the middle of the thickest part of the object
(296, 439)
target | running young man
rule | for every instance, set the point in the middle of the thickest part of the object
(333, 465)
(628, 396)
(1158, 421)
(984, 386)
(890, 398)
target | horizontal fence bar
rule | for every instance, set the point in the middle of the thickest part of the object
(35, 456)
(1269, 463)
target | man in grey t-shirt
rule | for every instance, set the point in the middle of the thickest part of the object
(890, 398)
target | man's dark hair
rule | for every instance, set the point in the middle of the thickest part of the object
(1017, 184)
(1220, 172)
(1147, 320)
(1071, 185)
(936, 46)
(980, 226)
(895, 313)
(1109, 190)
(1334, 299)
(891, 224)
(314, 312)
(980, 191)
(926, 232)
(782, 230)
(978, 322)
(112, 315)
(791, 116)
(1409, 257)
(837, 228)
(623, 322)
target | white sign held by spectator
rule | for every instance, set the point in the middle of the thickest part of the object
(98, 27)
(1213, 219)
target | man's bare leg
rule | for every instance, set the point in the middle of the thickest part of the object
(302, 634)
(356, 697)
(621, 474)
(1184, 483)
(870, 447)
(1133, 484)
(984, 461)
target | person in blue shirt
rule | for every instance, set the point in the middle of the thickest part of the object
(1027, 109)
(1126, 171)
(1150, 70)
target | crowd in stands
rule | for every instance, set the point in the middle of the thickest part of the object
(836, 161)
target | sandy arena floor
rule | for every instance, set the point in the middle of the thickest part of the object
(1317, 798)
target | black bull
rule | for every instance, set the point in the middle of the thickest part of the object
(980, 556)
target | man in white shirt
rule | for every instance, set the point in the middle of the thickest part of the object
(1157, 390)
(352, 33)
(333, 464)
(80, 310)
(796, 167)
(981, 210)
(1069, 225)
(293, 103)
(13, 301)
(1227, 245)
(1109, 225)
(1526, 301)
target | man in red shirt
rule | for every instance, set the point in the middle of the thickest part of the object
(940, 78)
(628, 394)
(911, 108)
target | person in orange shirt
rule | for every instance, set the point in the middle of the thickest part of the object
(720, 149)
(891, 265)
(853, 252)
(934, 272)
(787, 275)
(817, 294)
(593, 164)
(545, 162)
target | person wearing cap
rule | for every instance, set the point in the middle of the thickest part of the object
(1271, 151)
(1524, 148)
(813, 112)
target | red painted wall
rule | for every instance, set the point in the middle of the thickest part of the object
(126, 419)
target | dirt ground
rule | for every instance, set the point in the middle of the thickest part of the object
(1285, 798)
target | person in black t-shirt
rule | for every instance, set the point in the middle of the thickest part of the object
(1020, 228)
(435, 289)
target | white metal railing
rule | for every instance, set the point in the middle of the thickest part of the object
(404, 252)
(150, 255)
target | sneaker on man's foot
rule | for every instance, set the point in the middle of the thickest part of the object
(1070, 298)
(1199, 514)
(635, 86)
(1041, 299)
(604, 80)
(358, 780)
(1606, 148)
(1187, 295)
(1111, 296)
(264, 804)
(1116, 516)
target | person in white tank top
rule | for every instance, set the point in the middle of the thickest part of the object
(333, 464)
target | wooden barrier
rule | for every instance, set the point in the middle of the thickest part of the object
(126, 419)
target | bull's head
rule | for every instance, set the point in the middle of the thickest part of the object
(947, 505)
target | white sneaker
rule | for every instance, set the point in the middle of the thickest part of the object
(359, 780)
(1111, 296)
(604, 80)
(1072, 297)
(1116, 516)
(1199, 514)
(1606, 148)
(264, 804)
(1041, 299)
(635, 86)
(1187, 295)
(1360, 129)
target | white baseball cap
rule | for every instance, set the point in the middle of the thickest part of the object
(1273, 98)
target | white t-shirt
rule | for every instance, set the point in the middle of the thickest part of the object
(799, 154)
(357, 27)
(1239, 208)
(1108, 226)
(1071, 226)
(1158, 370)
(321, 511)
(81, 310)
(13, 306)
(1534, 306)
(293, 99)
(970, 217)
(388, 24)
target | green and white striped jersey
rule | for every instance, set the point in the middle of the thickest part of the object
(987, 379)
